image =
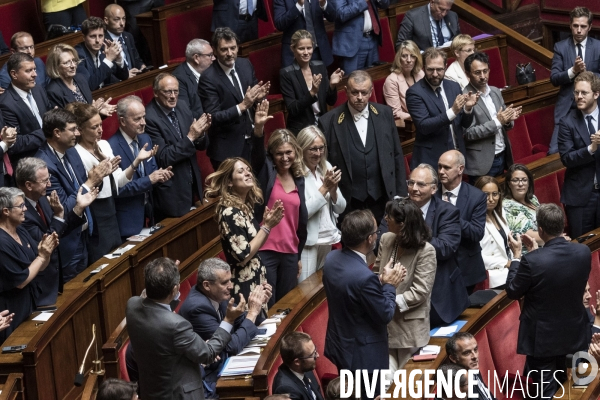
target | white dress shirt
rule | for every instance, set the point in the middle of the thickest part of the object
(491, 107)
(572, 74)
(454, 194)
(363, 122)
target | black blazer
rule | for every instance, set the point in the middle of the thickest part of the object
(285, 382)
(416, 27)
(94, 75)
(174, 197)
(18, 114)
(334, 125)
(298, 100)
(472, 204)
(219, 99)
(227, 13)
(60, 95)
(551, 324)
(188, 89)
(449, 296)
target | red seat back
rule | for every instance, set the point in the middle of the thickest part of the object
(278, 122)
(124, 375)
(267, 63)
(378, 90)
(267, 27)
(272, 372)
(386, 51)
(503, 333)
(182, 28)
(184, 290)
(22, 15)
(111, 124)
(540, 124)
(594, 279)
(486, 361)
(205, 166)
(546, 189)
(519, 140)
(497, 77)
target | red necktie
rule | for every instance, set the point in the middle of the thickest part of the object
(373, 18)
(7, 164)
(39, 210)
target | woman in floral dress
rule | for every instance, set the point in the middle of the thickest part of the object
(241, 237)
(520, 204)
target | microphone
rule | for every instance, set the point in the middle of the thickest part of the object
(80, 376)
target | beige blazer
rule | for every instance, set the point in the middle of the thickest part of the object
(410, 328)
(394, 93)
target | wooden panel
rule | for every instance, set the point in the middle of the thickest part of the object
(64, 358)
(564, 7)
(12, 388)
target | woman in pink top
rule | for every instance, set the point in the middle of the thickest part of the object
(280, 174)
(407, 69)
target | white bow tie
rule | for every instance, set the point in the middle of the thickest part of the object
(363, 113)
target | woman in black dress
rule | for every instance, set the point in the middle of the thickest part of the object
(305, 86)
(21, 258)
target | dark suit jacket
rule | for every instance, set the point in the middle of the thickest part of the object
(564, 56)
(480, 137)
(288, 20)
(42, 78)
(188, 89)
(416, 27)
(60, 181)
(431, 122)
(132, 53)
(227, 12)
(219, 99)
(18, 114)
(177, 152)
(49, 279)
(551, 324)
(298, 100)
(391, 159)
(285, 382)
(60, 95)
(449, 297)
(360, 309)
(199, 311)
(3, 47)
(130, 202)
(472, 205)
(573, 140)
(94, 75)
(349, 22)
(168, 352)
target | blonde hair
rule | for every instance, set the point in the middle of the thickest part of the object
(218, 185)
(306, 137)
(53, 60)
(460, 41)
(280, 137)
(298, 36)
(414, 50)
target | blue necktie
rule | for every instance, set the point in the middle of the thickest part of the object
(250, 4)
(440, 37)
(136, 151)
(88, 214)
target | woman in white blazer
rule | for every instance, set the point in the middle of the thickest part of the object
(324, 200)
(462, 47)
(494, 245)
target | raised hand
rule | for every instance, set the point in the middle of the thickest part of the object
(104, 108)
(316, 83)
(57, 207)
(5, 319)
(84, 200)
(529, 242)
(47, 245)
(255, 302)
(161, 175)
(199, 127)
(578, 66)
(144, 154)
(112, 50)
(458, 104)
(336, 77)
(393, 274)
(233, 311)
(471, 99)
(261, 115)
(9, 135)
(273, 216)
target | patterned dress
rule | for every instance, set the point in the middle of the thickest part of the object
(237, 230)
(520, 218)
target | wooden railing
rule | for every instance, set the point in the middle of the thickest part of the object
(12, 389)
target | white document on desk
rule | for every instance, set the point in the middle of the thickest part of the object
(271, 329)
(240, 365)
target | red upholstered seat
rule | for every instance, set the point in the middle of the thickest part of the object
(547, 190)
(407, 165)
(111, 124)
(399, 19)
(278, 122)
(97, 7)
(483, 285)
(182, 28)
(486, 361)
(273, 372)
(177, 60)
(519, 141)
(192, 279)
(184, 290)
(540, 124)
(594, 278)
(205, 166)
(267, 63)
(221, 255)
(497, 77)
(503, 332)
(22, 15)
(122, 361)
(267, 27)
(378, 90)
(387, 50)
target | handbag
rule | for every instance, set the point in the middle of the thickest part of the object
(525, 74)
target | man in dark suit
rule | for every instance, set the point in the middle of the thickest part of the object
(360, 304)
(206, 304)
(134, 202)
(472, 204)
(3, 47)
(198, 57)
(23, 106)
(578, 139)
(67, 177)
(45, 215)
(357, 33)
(486, 140)
(100, 64)
(239, 15)
(22, 42)
(552, 326)
(439, 111)
(291, 16)
(463, 351)
(572, 56)
(229, 90)
(178, 135)
(363, 143)
(295, 376)
(114, 18)
(167, 351)
(8, 136)
(449, 297)
(431, 25)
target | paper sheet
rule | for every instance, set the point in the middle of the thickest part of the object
(239, 365)
(119, 252)
(430, 349)
(250, 351)
(446, 331)
(43, 316)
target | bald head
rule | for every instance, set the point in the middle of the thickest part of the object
(114, 18)
(450, 168)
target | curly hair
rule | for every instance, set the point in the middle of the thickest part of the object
(278, 138)
(218, 184)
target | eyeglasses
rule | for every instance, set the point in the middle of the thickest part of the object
(316, 150)
(209, 55)
(378, 231)
(494, 195)
(170, 92)
(69, 63)
(517, 181)
(422, 185)
(577, 93)
(45, 181)
(314, 354)
(22, 206)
